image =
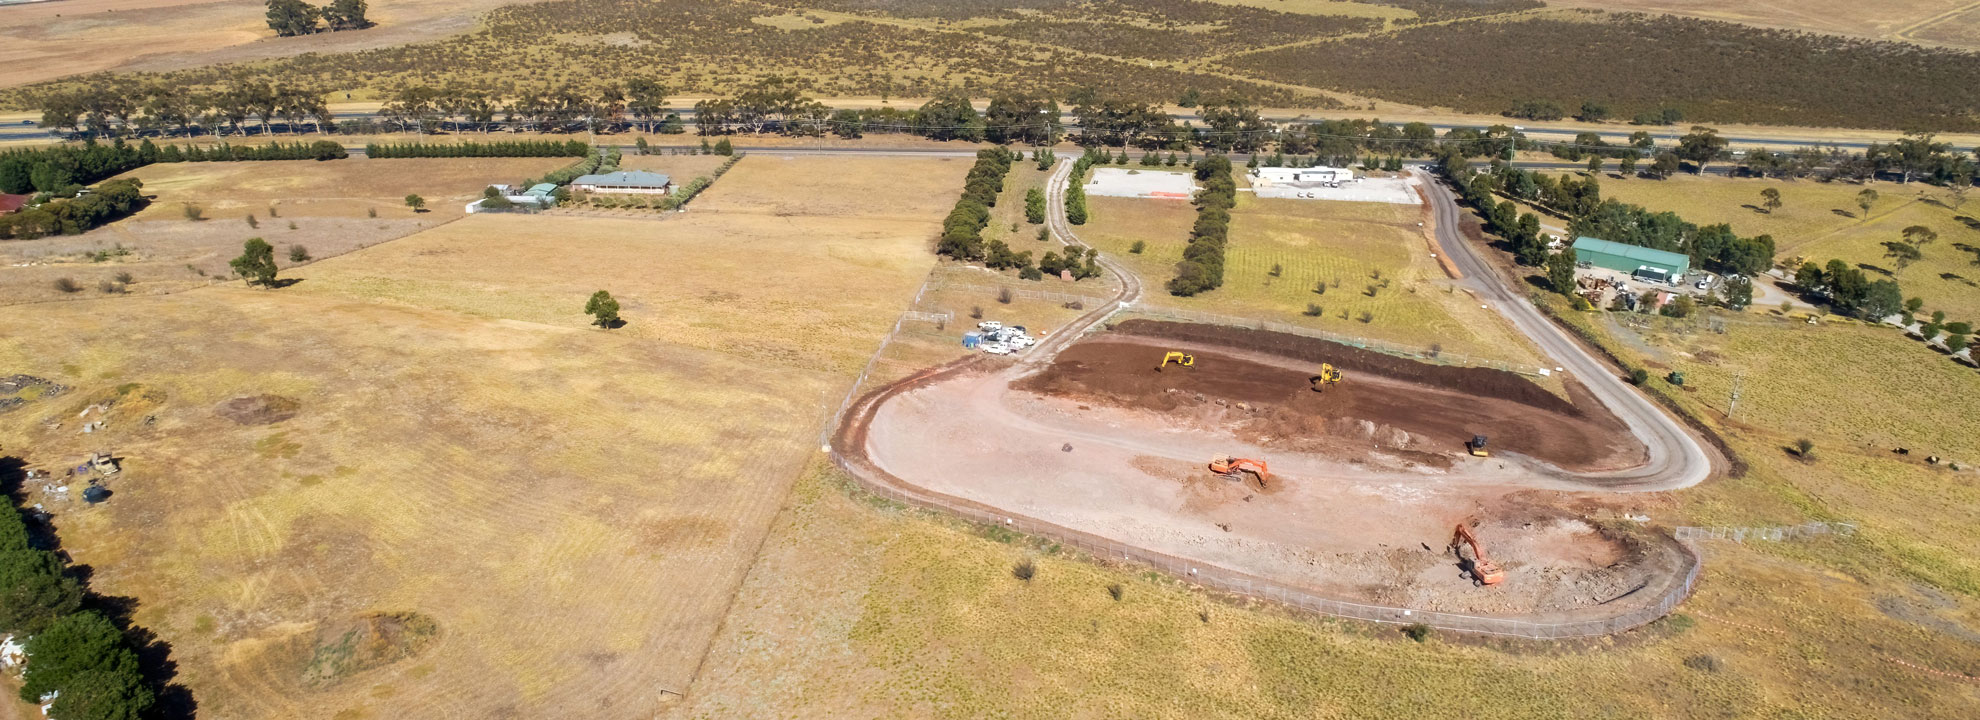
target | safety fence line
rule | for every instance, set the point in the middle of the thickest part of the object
(832, 421)
(1769, 534)
(1962, 677)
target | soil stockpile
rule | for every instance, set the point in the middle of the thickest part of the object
(1276, 406)
(1482, 382)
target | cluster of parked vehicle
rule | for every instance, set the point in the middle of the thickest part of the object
(993, 337)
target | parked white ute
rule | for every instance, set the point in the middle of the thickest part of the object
(989, 326)
(997, 349)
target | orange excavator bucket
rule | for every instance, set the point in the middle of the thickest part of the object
(1483, 569)
(1235, 467)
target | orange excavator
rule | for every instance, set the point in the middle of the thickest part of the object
(1235, 468)
(1483, 569)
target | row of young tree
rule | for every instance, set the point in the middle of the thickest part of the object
(962, 230)
(289, 18)
(521, 148)
(1202, 266)
(74, 652)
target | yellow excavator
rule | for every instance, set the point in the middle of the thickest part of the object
(1329, 375)
(1178, 358)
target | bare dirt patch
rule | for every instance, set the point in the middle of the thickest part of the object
(259, 409)
(371, 640)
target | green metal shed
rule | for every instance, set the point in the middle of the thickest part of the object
(1659, 264)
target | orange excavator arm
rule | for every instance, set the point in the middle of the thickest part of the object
(1230, 466)
(1487, 572)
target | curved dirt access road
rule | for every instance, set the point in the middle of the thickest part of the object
(1055, 218)
(1677, 459)
(1329, 532)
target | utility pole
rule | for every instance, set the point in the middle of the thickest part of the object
(1739, 382)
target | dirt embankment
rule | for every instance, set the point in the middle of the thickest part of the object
(1386, 411)
(1482, 382)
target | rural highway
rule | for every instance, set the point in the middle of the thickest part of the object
(1676, 459)
(19, 127)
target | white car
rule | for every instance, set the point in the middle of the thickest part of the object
(997, 349)
(989, 326)
(1022, 341)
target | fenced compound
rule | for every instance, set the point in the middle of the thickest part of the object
(1386, 348)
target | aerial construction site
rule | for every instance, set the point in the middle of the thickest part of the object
(1252, 458)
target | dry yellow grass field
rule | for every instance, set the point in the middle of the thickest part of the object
(44, 41)
(1343, 244)
(329, 208)
(552, 517)
(1822, 221)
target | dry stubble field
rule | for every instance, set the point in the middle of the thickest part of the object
(1343, 244)
(465, 453)
(1822, 221)
(44, 41)
(330, 205)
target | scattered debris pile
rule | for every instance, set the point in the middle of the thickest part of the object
(18, 390)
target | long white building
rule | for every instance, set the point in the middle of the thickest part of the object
(1275, 175)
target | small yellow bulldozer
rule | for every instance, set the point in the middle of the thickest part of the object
(1183, 359)
(1329, 375)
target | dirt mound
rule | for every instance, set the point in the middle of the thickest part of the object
(1365, 417)
(367, 641)
(1482, 382)
(258, 409)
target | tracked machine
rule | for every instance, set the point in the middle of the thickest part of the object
(1234, 468)
(1329, 375)
(1183, 359)
(1482, 568)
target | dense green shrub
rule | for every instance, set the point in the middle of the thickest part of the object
(1202, 266)
(962, 231)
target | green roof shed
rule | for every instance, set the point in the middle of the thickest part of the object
(1629, 258)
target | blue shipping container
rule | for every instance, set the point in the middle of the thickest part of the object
(971, 338)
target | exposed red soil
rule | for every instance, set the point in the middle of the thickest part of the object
(1417, 412)
(1482, 382)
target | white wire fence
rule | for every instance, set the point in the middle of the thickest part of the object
(1767, 534)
